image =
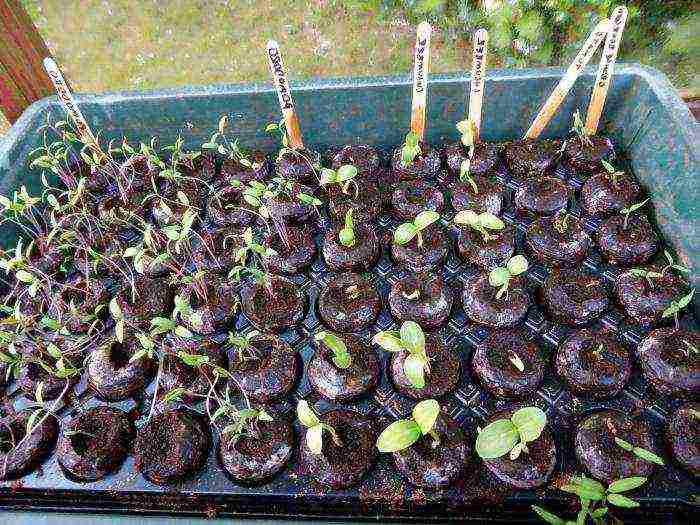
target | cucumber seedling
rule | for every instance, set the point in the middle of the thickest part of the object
(403, 433)
(405, 232)
(502, 275)
(511, 435)
(410, 339)
(315, 428)
(482, 223)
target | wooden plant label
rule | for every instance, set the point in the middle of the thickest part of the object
(421, 67)
(476, 86)
(284, 94)
(564, 86)
(605, 69)
(70, 105)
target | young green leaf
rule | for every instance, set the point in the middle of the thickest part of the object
(306, 415)
(399, 435)
(530, 422)
(497, 439)
(425, 219)
(425, 413)
(389, 341)
(412, 337)
(341, 357)
(547, 516)
(314, 439)
(623, 485)
(622, 501)
(414, 368)
(404, 233)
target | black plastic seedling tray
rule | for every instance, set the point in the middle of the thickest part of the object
(648, 126)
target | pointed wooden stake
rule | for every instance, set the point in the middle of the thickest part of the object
(476, 85)
(605, 69)
(421, 67)
(71, 106)
(284, 94)
(564, 86)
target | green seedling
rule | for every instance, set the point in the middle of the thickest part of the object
(405, 432)
(341, 356)
(346, 236)
(482, 223)
(640, 452)
(315, 428)
(410, 150)
(626, 212)
(405, 232)
(511, 436)
(502, 275)
(343, 176)
(410, 339)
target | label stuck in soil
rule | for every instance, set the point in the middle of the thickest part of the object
(476, 86)
(421, 66)
(70, 105)
(572, 73)
(605, 69)
(284, 95)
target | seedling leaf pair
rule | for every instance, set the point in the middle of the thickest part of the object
(410, 339)
(403, 433)
(505, 436)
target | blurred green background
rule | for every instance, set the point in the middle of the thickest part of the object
(146, 44)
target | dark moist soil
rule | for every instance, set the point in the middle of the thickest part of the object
(584, 157)
(604, 459)
(254, 459)
(542, 196)
(426, 164)
(366, 207)
(492, 365)
(627, 247)
(409, 198)
(490, 196)
(683, 437)
(31, 374)
(172, 446)
(292, 258)
(298, 166)
(340, 467)
(422, 259)
(601, 196)
(575, 297)
(590, 371)
(433, 467)
(363, 156)
(114, 206)
(154, 298)
(489, 254)
(227, 207)
(482, 306)
(529, 470)
(344, 384)
(110, 248)
(77, 298)
(551, 247)
(668, 362)
(530, 158)
(94, 443)
(112, 376)
(483, 162)
(45, 256)
(217, 249)
(441, 376)
(349, 303)
(274, 308)
(267, 371)
(362, 256)
(287, 208)
(430, 309)
(232, 169)
(176, 374)
(644, 301)
(196, 193)
(16, 461)
(214, 299)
